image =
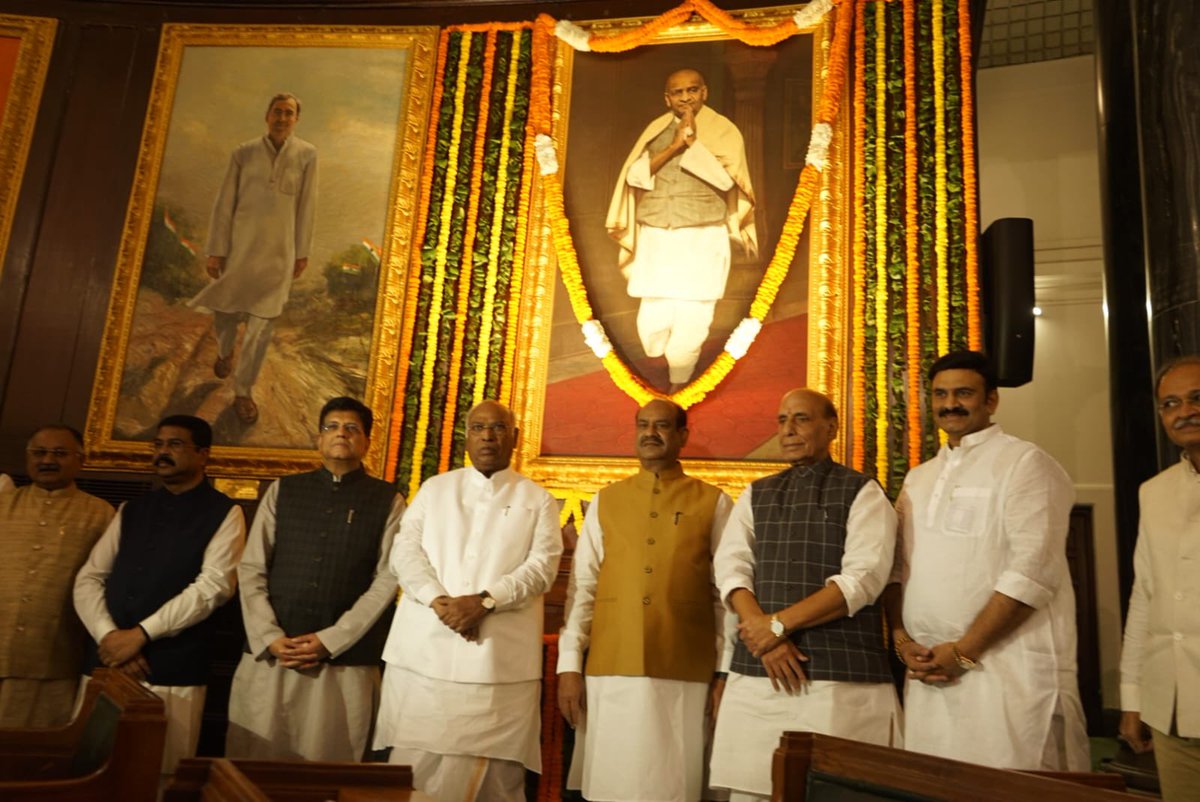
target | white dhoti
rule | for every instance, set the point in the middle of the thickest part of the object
(642, 740)
(427, 721)
(753, 716)
(276, 713)
(680, 274)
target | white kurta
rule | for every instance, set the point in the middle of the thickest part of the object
(318, 714)
(754, 715)
(466, 533)
(1160, 661)
(262, 222)
(643, 738)
(992, 516)
(212, 587)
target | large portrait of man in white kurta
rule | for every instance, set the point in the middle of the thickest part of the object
(739, 181)
(257, 283)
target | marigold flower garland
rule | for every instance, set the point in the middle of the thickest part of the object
(941, 224)
(970, 187)
(498, 209)
(412, 301)
(912, 258)
(858, 395)
(793, 225)
(881, 243)
(439, 276)
(465, 279)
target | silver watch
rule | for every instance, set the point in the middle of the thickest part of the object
(777, 628)
(487, 601)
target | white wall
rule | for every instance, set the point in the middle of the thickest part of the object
(1038, 158)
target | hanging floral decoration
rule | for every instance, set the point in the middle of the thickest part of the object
(912, 280)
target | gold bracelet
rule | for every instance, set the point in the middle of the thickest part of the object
(964, 662)
(898, 641)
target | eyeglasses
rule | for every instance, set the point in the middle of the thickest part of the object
(349, 428)
(57, 453)
(1172, 403)
(498, 427)
(174, 444)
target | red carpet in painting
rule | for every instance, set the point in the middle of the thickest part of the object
(589, 416)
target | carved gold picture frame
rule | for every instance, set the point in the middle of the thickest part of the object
(31, 40)
(327, 51)
(574, 478)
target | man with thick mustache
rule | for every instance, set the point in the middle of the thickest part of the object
(166, 562)
(1160, 663)
(477, 550)
(643, 617)
(985, 624)
(48, 529)
(802, 561)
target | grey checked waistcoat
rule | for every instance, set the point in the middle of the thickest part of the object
(327, 537)
(679, 199)
(800, 537)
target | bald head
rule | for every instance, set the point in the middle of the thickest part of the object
(808, 423)
(685, 91)
(491, 435)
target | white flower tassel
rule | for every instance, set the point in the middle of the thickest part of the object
(547, 158)
(740, 340)
(573, 35)
(811, 14)
(818, 145)
(596, 339)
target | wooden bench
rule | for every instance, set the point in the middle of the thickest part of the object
(203, 779)
(111, 751)
(821, 768)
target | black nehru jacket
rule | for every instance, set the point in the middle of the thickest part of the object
(799, 539)
(161, 552)
(327, 537)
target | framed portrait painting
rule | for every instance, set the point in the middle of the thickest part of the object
(25, 46)
(262, 263)
(670, 274)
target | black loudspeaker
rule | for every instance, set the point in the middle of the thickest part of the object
(1007, 283)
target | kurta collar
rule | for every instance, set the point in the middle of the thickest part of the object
(270, 146)
(495, 481)
(818, 468)
(1189, 468)
(648, 478)
(186, 495)
(60, 493)
(355, 475)
(973, 440)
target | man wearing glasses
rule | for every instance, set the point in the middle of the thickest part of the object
(49, 527)
(476, 552)
(166, 562)
(317, 599)
(1160, 661)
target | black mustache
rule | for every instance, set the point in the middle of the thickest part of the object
(652, 440)
(952, 411)
(164, 460)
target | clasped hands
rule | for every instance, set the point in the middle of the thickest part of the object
(934, 665)
(300, 653)
(461, 613)
(780, 657)
(122, 649)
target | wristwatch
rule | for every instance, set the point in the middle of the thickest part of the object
(487, 601)
(777, 628)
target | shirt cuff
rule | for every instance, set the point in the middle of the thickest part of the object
(427, 593)
(332, 641)
(570, 660)
(1131, 697)
(153, 627)
(501, 594)
(1023, 589)
(729, 587)
(851, 591)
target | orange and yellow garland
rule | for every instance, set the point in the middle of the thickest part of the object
(568, 262)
